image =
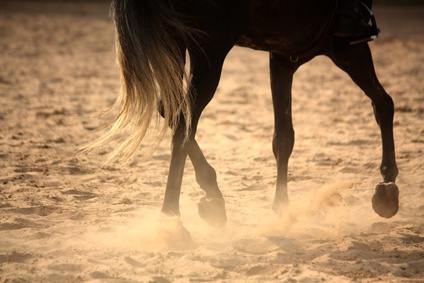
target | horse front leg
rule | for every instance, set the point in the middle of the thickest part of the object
(385, 201)
(356, 60)
(282, 71)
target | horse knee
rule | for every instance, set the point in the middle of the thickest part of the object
(383, 109)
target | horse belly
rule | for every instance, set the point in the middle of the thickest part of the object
(285, 26)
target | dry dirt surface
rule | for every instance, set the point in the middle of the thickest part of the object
(65, 218)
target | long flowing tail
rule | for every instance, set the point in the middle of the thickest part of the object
(152, 72)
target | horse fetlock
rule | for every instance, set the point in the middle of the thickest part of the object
(389, 173)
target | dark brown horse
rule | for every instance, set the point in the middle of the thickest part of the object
(153, 37)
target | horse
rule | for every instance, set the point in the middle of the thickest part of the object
(153, 38)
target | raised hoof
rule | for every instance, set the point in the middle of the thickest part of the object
(385, 201)
(212, 210)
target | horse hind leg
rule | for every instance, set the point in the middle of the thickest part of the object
(212, 206)
(356, 60)
(206, 73)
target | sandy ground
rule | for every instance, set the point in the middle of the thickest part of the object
(64, 218)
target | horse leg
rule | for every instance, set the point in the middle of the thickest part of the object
(171, 200)
(356, 60)
(211, 206)
(282, 71)
(205, 78)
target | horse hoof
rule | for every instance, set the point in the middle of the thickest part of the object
(385, 201)
(172, 232)
(212, 210)
(280, 207)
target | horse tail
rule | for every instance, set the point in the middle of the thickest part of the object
(152, 72)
